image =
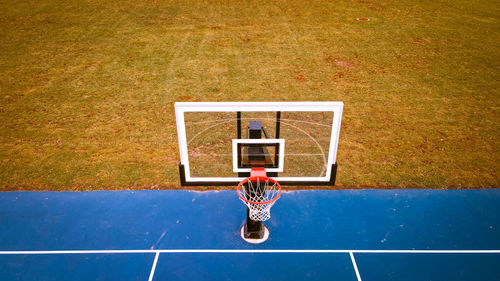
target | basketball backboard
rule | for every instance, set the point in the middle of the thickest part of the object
(296, 142)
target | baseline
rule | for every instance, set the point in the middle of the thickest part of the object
(247, 251)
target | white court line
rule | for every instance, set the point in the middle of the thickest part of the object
(153, 267)
(355, 266)
(249, 251)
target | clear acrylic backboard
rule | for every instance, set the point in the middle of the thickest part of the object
(300, 141)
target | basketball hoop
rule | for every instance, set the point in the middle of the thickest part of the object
(259, 193)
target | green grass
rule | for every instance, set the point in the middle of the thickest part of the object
(87, 87)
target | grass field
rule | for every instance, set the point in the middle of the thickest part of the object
(87, 87)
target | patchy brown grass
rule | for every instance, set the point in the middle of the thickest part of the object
(87, 88)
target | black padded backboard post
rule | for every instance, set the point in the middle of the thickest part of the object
(256, 155)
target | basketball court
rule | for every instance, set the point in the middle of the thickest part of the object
(255, 229)
(314, 235)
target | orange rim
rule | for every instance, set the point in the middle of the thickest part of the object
(254, 179)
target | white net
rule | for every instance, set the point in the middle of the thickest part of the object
(259, 198)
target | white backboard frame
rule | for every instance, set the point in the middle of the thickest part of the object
(182, 107)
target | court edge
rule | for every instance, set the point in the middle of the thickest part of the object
(249, 251)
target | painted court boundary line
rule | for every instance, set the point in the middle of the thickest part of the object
(157, 253)
(247, 251)
(355, 266)
(153, 268)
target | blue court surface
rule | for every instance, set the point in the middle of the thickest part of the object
(186, 235)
